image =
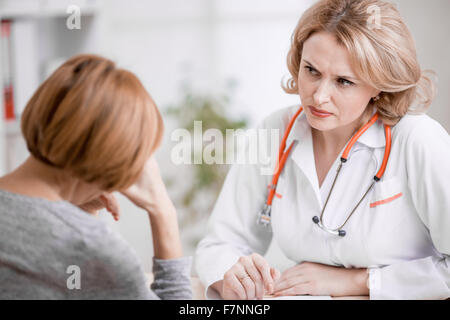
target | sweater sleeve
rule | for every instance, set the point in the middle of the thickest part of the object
(172, 278)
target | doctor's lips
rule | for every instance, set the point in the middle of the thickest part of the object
(319, 113)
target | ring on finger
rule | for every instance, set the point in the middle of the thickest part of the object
(245, 276)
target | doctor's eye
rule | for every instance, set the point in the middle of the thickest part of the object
(312, 71)
(345, 83)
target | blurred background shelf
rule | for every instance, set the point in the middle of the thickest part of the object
(12, 127)
(39, 41)
(32, 9)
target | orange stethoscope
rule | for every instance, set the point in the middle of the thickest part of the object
(265, 214)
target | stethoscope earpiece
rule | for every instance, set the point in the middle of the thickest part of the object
(341, 233)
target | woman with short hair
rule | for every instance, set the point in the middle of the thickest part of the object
(360, 200)
(91, 129)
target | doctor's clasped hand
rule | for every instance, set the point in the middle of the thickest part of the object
(250, 278)
(317, 279)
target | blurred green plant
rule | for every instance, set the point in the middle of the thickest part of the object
(211, 110)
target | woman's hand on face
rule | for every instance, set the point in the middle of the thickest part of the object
(149, 191)
(105, 200)
(316, 279)
(150, 194)
(249, 278)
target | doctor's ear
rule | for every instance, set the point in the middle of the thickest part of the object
(376, 95)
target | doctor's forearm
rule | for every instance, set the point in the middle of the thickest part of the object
(358, 282)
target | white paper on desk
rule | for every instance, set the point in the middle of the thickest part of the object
(299, 298)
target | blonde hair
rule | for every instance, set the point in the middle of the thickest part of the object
(94, 120)
(382, 51)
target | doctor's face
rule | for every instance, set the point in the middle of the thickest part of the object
(331, 94)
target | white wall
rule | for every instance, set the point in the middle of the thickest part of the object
(430, 26)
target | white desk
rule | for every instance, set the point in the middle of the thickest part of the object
(198, 291)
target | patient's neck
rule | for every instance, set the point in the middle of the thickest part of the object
(35, 179)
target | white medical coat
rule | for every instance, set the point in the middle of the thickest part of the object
(400, 232)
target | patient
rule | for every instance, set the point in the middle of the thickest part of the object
(91, 129)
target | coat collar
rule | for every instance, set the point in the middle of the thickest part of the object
(303, 153)
(373, 138)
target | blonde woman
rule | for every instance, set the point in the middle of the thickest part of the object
(91, 129)
(362, 202)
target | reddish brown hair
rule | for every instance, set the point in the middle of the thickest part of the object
(95, 120)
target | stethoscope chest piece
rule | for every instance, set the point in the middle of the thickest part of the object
(264, 216)
(340, 233)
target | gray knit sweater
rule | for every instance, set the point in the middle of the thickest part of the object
(54, 250)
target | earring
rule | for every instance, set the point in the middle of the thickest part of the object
(376, 98)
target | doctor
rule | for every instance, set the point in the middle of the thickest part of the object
(362, 202)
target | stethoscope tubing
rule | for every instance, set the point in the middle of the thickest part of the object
(265, 214)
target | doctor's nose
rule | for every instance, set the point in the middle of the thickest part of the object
(322, 93)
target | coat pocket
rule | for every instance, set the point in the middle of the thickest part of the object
(387, 193)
